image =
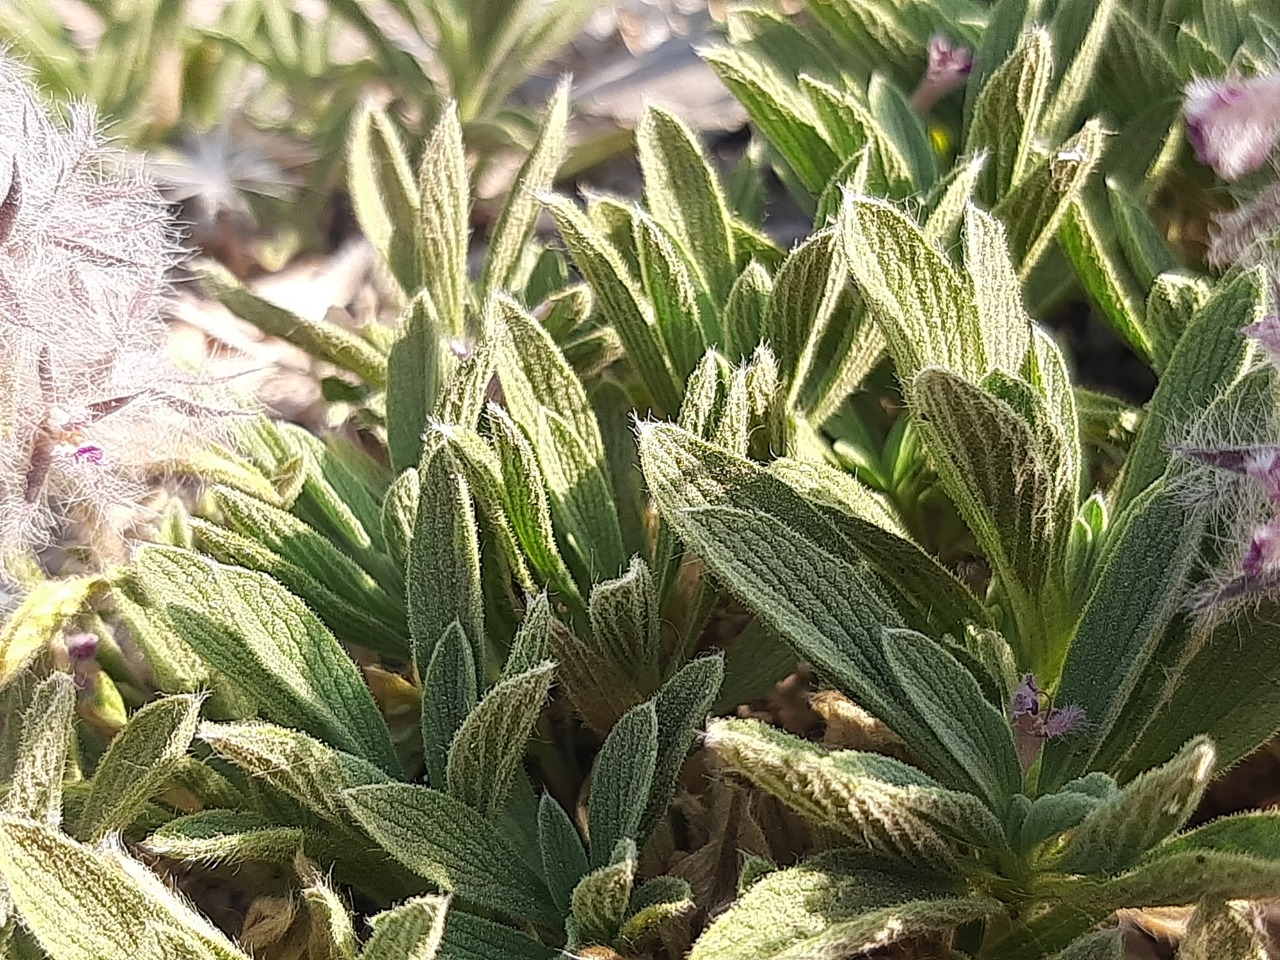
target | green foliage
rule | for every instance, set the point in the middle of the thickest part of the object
(455, 670)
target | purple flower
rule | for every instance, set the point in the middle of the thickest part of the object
(1063, 720)
(1263, 553)
(1233, 124)
(949, 66)
(81, 646)
(1026, 698)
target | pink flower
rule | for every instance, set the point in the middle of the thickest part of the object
(949, 66)
(1233, 124)
(1263, 553)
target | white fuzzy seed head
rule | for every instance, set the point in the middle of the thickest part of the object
(89, 400)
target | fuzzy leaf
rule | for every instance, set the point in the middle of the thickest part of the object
(42, 612)
(321, 339)
(803, 293)
(141, 758)
(249, 627)
(411, 931)
(1150, 808)
(654, 903)
(449, 694)
(1104, 275)
(1210, 355)
(744, 312)
(515, 226)
(84, 905)
(306, 549)
(454, 847)
(1138, 590)
(547, 399)
(468, 937)
(836, 902)
(1008, 112)
(670, 289)
(417, 365)
(600, 899)
(624, 618)
(684, 195)
(620, 302)
(35, 791)
(564, 859)
(622, 781)
(443, 577)
(226, 836)
(922, 303)
(1005, 326)
(1035, 208)
(399, 512)
(1100, 945)
(749, 527)
(884, 806)
(298, 766)
(527, 503)
(384, 194)
(444, 219)
(487, 750)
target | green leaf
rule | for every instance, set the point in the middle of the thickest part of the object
(684, 195)
(515, 226)
(82, 904)
(35, 791)
(922, 303)
(305, 549)
(384, 194)
(1007, 114)
(966, 724)
(1175, 298)
(332, 934)
(670, 290)
(1138, 590)
(600, 899)
(417, 366)
(1210, 355)
(804, 291)
(547, 399)
(449, 693)
(780, 112)
(681, 706)
(836, 901)
(751, 529)
(411, 931)
(399, 513)
(527, 504)
(1105, 277)
(488, 748)
(1116, 833)
(622, 781)
(884, 806)
(1004, 324)
(320, 338)
(46, 607)
(564, 859)
(443, 577)
(929, 596)
(744, 312)
(468, 937)
(1145, 247)
(444, 228)
(624, 616)
(265, 639)
(454, 847)
(621, 303)
(899, 124)
(654, 903)
(1006, 479)
(226, 837)
(141, 758)
(299, 766)
(1035, 208)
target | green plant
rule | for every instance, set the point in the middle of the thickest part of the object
(464, 650)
